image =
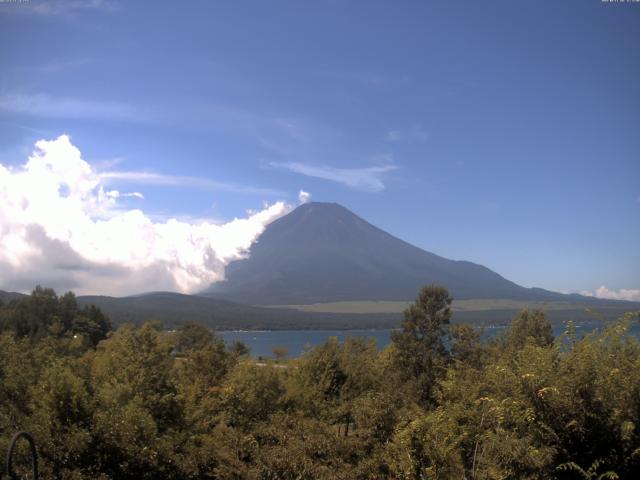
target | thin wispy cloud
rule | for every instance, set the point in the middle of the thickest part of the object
(368, 179)
(151, 178)
(43, 105)
(416, 134)
(53, 66)
(57, 8)
(371, 79)
(117, 194)
(63, 65)
(393, 136)
(27, 128)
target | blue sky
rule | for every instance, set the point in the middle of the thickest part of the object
(501, 132)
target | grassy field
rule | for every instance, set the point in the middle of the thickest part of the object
(476, 305)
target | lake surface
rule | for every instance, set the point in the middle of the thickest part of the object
(262, 343)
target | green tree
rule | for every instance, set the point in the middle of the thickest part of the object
(61, 422)
(280, 352)
(198, 376)
(427, 448)
(193, 336)
(91, 323)
(44, 314)
(251, 393)
(466, 345)
(420, 353)
(529, 326)
(239, 349)
(138, 408)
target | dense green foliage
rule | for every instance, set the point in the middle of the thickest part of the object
(45, 314)
(144, 403)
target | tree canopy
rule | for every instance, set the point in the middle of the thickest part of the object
(144, 403)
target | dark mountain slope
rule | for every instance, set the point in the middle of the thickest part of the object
(322, 252)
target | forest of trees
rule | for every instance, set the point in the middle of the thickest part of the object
(437, 403)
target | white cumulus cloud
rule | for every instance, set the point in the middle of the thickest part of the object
(630, 294)
(60, 227)
(303, 197)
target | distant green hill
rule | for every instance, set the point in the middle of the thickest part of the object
(6, 297)
(174, 308)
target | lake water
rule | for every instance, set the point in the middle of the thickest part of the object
(262, 343)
